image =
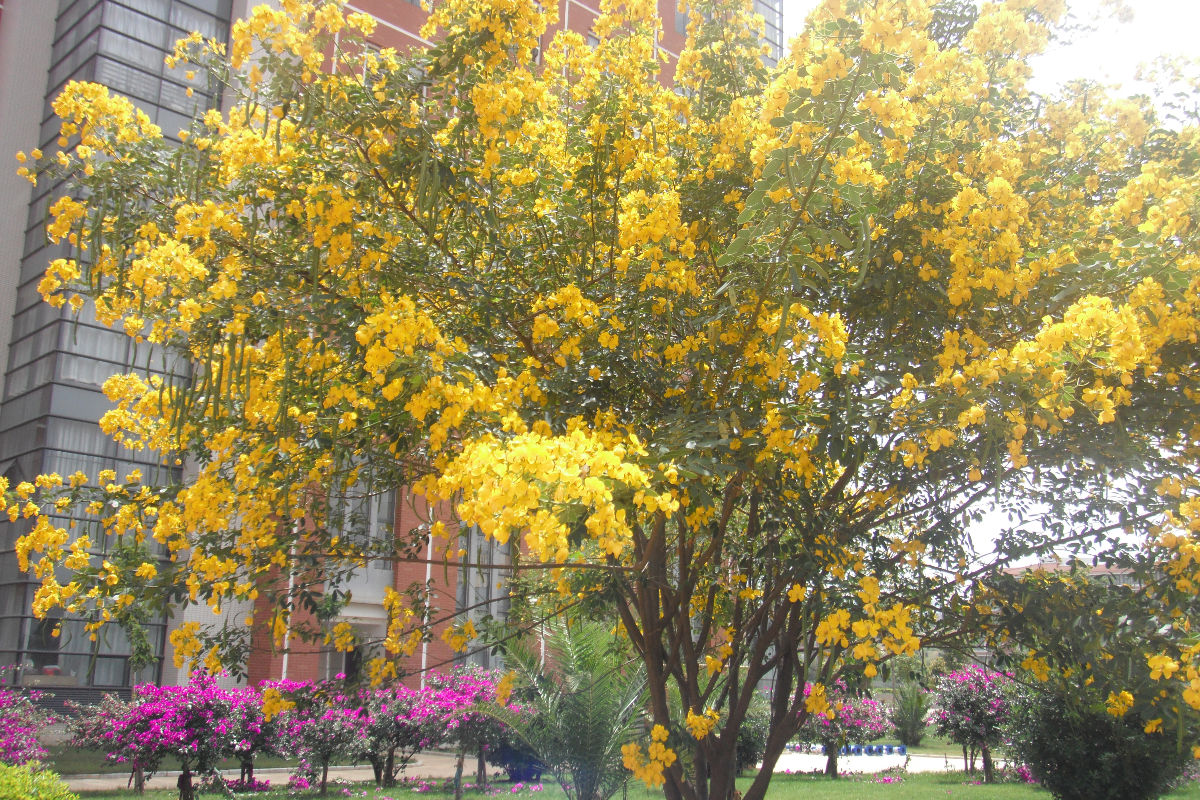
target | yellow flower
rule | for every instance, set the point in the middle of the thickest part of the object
(700, 725)
(1119, 704)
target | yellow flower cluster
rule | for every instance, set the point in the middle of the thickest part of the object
(1118, 704)
(273, 703)
(700, 725)
(648, 767)
(501, 485)
(459, 637)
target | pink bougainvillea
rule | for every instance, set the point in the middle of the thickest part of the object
(20, 720)
(972, 706)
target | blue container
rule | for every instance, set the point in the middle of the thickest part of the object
(856, 750)
(888, 749)
(901, 750)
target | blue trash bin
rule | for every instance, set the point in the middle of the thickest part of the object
(901, 750)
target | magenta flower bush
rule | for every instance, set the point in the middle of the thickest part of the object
(973, 704)
(201, 723)
(20, 720)
(198, 723)
(400, 721)
(387, 726)
(194, 723)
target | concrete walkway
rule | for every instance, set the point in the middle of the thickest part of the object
(792, 762)
(426, 765)
(441, 765)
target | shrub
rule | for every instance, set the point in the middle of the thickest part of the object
(27, 782)
(909, 713)
(585, 700)
(752, 736)
(1088, 754)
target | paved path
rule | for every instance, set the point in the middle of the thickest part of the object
(441, 765)
(815, 762)
(426, 765)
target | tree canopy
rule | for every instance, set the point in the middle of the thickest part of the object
(737, 352)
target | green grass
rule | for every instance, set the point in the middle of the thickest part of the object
(926, 786)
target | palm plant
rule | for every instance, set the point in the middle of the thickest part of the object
(586, 695)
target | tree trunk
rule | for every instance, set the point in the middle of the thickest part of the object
(966, 762)
(988, 768)
(137, 778)
(324, 777)
(480, 769)
(777, 740)
(389, 769)
(831, 758)
(247, 770)
(722, 772)
(186, 791)
(458, 771)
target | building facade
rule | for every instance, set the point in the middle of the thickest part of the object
(53, 364)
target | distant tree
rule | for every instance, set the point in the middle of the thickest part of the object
(850, 720)
(972, 707)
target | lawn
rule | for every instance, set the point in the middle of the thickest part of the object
(926, 786)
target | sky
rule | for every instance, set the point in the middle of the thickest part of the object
(1109, 54)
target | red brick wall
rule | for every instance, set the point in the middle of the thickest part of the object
(399, 22)
(266, 661)
(412, 513)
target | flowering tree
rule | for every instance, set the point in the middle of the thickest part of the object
(193, 723)
(20, 721)
(461, 699)
(319, 722)
(849, 719)
(736, 357)
(972, 708)
(400, 722)
(92, 727)
(251, 732)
